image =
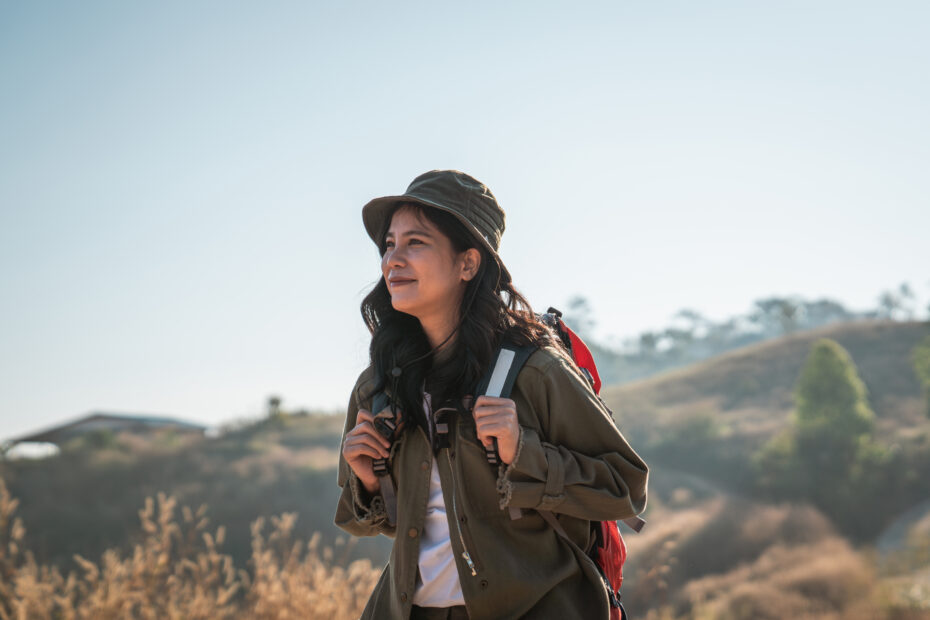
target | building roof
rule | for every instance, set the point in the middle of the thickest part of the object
(111, 421)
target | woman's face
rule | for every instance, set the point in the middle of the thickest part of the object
(424, 275)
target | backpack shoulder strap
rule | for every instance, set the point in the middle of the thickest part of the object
(502, 375)
(379, 402)
(499, 380)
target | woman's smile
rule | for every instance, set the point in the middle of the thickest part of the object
(396, 282)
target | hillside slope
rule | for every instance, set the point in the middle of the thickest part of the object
(87, 499)
(749, 390)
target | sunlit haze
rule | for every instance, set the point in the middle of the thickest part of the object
(181, 183)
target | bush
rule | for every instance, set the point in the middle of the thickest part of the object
(177, 571)
(824, 580)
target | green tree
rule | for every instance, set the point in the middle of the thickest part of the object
(889, 304)
(832, 419)
(827, 455)
(697, 321)
(776, 315)
(920, 358)
(648, 341)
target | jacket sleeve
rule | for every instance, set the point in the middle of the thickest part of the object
(358, 512)
(578, 463)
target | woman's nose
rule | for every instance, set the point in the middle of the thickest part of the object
(394, 257)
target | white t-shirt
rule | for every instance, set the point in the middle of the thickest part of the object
(438, 579)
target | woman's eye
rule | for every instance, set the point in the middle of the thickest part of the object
(390, 244)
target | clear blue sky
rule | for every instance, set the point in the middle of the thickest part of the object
(181, 183)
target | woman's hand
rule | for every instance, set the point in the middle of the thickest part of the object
(363, 444)
(497, 417)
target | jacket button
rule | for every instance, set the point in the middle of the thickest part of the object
(412, 533)
(464, 519)
(484, 583)
(403, 597)
(424, 465)
(452, 454)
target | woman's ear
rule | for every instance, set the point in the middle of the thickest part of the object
(471, 261)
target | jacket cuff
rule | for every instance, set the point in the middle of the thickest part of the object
(535, 478)
(368, 508)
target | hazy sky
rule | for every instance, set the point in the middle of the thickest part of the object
(181, 183)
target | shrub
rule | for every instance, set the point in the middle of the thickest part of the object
(177, 571)
(824, 580)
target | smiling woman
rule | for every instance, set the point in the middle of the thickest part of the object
(469, 540)
(425, 274)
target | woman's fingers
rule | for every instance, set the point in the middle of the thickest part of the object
(497, 418)
(365, 424)
(368, 436)
(486, 412)
(495, 426)
(485, 405)
(364, 440)
(368, 441)
(501, 431)
(504, 430)
(492, 400)
(363, 445)
(489, 409)
(354, 452)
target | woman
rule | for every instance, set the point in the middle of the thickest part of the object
(469, 541)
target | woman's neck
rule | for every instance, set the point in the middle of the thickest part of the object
(440, 334)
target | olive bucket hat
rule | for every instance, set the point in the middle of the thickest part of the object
(455, 192)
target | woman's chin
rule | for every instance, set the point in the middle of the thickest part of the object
(401, 306)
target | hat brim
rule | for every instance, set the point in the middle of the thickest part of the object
(376, 211)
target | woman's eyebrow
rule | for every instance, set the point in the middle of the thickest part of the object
(408, 233)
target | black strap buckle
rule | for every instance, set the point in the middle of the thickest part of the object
(388, 422)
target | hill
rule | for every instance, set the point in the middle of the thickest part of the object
(86, 499)
(712, 418)
(749, 390)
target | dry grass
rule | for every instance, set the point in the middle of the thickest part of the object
(718, 559)
(177, 571)
(827, 580)
(730, 559)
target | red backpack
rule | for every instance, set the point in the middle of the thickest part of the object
(609, 550)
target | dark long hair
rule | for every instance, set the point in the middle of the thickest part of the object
(490, 309)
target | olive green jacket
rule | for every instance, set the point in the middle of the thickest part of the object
(571, 460)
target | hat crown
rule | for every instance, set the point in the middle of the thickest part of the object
(465, 196)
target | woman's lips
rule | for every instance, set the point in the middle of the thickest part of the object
(395, 283)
